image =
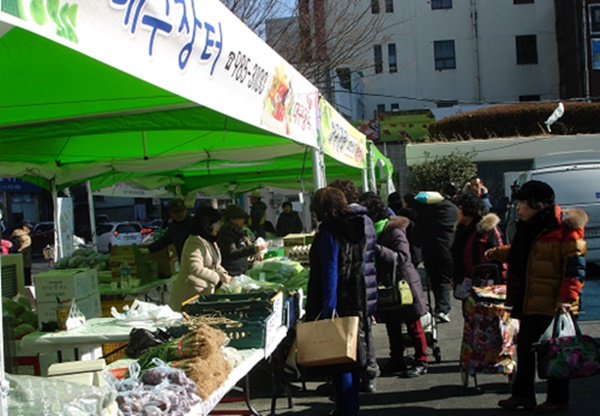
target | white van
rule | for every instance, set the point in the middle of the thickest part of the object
(575, 178)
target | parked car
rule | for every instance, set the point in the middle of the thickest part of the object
(112, 234)
(153, 224)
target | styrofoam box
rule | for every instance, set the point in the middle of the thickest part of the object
(90, 306)
(65, 284)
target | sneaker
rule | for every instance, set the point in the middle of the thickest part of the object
(367, 386)
(418, 369)
(513, 403)
(442, 317)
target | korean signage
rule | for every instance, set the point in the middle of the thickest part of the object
(196, 49)
(341, 140)
(17, 185)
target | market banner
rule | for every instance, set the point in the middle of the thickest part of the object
(341, 140)
(122, 189)
(196, 49)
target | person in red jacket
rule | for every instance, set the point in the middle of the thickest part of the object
(546, 272)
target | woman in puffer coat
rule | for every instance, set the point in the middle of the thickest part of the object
(391, 241)
(546, 271)
(200, 270)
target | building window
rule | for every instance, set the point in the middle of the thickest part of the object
(395, 107)
(441, 4)
(446, 103)
(526, 50)
(594, 17)
(526, 98)
(375, 6)
(443, 51)
(380, 108)
(523, 1)
(378, 59)
(392, 57)
(389, 6)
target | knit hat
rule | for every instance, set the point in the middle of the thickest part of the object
(234, 211)
(25, 223)
(535, 191)
(256, 194)
(176, 204)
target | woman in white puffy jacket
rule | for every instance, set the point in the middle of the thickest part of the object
(200, 270)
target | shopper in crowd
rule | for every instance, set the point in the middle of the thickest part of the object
(546, 272)
(476, 187)
(21, 243)
(289, 221)
(200, 270)
(336, 283)
(352, 197)
(234, 242)
(406, 209)
(178, 229)
(476, 232)
(436, 227)
(394, 203)
(393, 246)
(258, 215)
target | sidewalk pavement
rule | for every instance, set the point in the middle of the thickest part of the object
(440, 391)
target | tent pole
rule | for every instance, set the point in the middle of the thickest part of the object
(319, 178)
(371, 167)
(365, 180)
(58, 253)
(92, 211)
(4, 387)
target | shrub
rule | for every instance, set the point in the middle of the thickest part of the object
(432, 175)
(514, 120)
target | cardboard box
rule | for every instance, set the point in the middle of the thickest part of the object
(291, 240)
(66, 284)
(90, 306)
(168, 263)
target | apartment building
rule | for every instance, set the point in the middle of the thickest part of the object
(439, 53)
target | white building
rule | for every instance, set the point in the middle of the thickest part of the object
(437, 53)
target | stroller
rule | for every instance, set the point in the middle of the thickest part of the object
(489, 332)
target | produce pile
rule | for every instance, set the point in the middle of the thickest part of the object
(160, 391)
(198, 353)
(83, 257)
(22, 320)
(291, 275)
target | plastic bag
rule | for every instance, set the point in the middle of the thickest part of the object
(141, 339)
(566, 327)
(30, 395)
(140, 313)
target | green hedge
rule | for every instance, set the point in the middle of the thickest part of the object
(514, 120)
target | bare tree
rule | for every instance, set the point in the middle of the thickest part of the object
(317, 36)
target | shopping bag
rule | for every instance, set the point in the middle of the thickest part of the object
(327, 341)
(567, 356)
(397, 294)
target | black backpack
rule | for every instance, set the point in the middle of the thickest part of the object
(16, 244)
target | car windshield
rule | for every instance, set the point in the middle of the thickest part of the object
(128, 228)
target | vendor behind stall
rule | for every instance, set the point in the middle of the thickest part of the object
(178, 229)
(235, 244)
(200, 269)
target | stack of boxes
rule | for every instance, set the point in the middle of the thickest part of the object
(145, 266)
(297, 247)
(56, 286)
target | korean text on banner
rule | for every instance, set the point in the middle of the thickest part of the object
(341, 140)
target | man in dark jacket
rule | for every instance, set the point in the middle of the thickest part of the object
(352, 196)
(178, 229)
(235, 245)
(289, 221)
(436, 226)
